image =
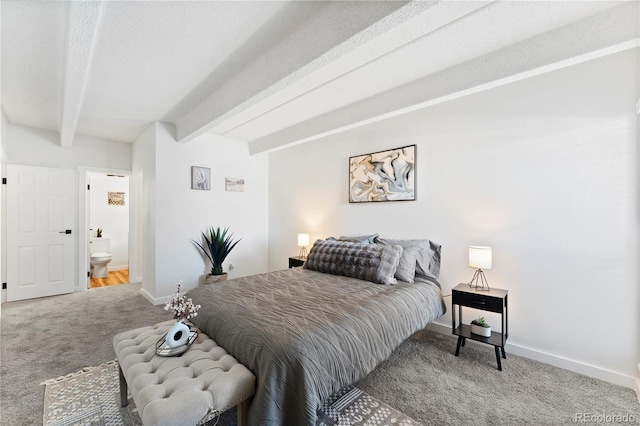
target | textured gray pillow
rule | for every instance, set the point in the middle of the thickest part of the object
(369, 262)
(364, 239)
(428, 261)
(406, 270)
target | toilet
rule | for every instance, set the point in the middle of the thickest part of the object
(100, 257)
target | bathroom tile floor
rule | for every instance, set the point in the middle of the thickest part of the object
(114, 278)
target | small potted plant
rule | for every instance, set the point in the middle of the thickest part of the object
(480, 326)
(217, 244)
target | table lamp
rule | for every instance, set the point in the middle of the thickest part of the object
(303, 241)
(479, 259)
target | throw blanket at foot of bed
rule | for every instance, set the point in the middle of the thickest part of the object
(307, 334)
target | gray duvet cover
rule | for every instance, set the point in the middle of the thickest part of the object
(305, 334)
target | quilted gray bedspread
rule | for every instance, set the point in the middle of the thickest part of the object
(305, 334)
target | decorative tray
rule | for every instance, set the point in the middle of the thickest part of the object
(163, 349)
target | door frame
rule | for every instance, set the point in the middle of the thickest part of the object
(83, 223)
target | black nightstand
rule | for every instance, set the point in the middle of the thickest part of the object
(296, 261)
(494, 300)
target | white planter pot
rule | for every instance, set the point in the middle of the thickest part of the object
(482, 331)
(211, 279)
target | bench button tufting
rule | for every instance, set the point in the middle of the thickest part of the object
(200, 369)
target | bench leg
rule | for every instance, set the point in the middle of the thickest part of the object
(242, 409)
(124, 401)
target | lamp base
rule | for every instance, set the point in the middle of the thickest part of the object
(479, 282)
(303, 253)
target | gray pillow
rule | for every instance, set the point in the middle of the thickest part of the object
(364, 239)
(406, 270)
(428, 261)
(369, 262)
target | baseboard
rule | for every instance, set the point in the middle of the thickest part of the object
(154, 300)
(439, 328)
(117, 268)
(558, 361)
(637, 388)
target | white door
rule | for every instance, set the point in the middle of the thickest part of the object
(40, 243)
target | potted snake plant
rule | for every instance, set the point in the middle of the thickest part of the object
(216, 244)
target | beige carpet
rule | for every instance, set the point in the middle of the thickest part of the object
(53, 336)
(92, 397)
(425, 380)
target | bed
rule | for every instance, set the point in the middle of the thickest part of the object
(308, 333)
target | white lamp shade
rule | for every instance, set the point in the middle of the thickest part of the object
(303, 240)
(480, 257)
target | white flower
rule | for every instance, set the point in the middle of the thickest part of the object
(182, 308)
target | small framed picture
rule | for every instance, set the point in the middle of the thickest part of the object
(115, 198)
(234, 184)
(201, 178)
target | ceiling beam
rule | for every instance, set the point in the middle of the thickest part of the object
(495, 69)
(385, 36)
(394, 30)
(83, 20)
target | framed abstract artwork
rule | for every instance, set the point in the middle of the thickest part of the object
(201, 178)
(383, 176)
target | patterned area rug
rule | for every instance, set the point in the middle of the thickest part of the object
(351, 406)
(88, 397)
(92, 397)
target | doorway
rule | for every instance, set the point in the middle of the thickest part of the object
(108, 229)
(117, 221)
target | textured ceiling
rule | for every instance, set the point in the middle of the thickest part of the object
(278, 73)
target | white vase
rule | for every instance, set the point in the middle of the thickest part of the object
(482, 331)
(178, 335)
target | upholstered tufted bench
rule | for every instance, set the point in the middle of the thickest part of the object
(181, 390)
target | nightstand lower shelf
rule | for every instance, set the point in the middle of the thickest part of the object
(463, 332)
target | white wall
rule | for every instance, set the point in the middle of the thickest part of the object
(544, 171)
(4, 129)
(136, 228)
(112, 219)
(144, 167)
(637, 388)
(181, 213)
(35, 147)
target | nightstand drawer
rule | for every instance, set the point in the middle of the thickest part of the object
(477, 300)
(296, 261)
